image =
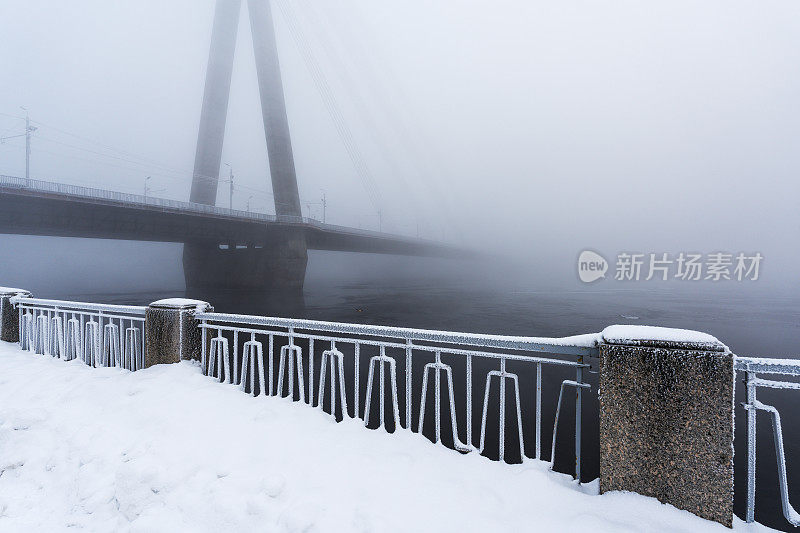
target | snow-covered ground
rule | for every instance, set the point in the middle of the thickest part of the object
(167, 449)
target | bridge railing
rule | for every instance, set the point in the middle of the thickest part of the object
(100, 335)
(78, 191)
(407, 371)
(128, 198)
(751, 368)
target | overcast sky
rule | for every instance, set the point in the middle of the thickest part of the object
(539, 127)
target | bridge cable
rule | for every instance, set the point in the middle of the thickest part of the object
(353, 89)
(331, 104)
(144, 161)
(424, 165)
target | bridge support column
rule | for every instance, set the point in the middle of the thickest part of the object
(666, 418)
(172, 333)
(278, 266)
(214, 112)
(9, 317)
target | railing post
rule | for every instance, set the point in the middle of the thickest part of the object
(578, 419)
(9, 317)
(171, 331)
(751, 447)
(666, 418)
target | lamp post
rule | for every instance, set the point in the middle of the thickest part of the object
(28, 130)
(230, 178)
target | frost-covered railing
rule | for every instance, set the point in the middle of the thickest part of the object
(752, 367)
(14, 182)
(97, 334)
(243, 349)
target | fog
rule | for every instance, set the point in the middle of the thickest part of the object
(527, 129)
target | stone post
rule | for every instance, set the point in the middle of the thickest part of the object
(171, 330)
(666, 418)
(9, 316)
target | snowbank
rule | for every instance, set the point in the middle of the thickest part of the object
(167, 449)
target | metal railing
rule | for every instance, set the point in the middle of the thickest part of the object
(77, 191)
(242, 350)
(100, 335)
(752, 367)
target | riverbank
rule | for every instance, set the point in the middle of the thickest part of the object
(167, 449)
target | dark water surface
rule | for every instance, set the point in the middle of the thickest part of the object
(757, 323)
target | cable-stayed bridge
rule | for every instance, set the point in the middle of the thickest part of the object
(37, 207)
(223, 248)
(240, 238)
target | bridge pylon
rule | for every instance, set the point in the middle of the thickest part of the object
(281, 264)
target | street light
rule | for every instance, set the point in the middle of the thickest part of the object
(145, 185)
(248, 203)
(230, 168)
(28, 130)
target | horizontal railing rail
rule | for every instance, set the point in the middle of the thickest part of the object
(242, 350)
(586, 345)
(28, 302)
(752, 367)
(98, 334)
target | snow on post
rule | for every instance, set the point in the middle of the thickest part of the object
(9, 317)
(666, 418)
(171, 331)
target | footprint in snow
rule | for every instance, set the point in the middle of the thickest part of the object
(273, 486)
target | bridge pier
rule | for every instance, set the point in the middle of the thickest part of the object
(277, 266)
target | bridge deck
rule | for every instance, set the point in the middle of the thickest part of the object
(36, 207)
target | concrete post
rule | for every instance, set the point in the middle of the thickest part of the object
(171, 330)
(666, 418)
(9, 317)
